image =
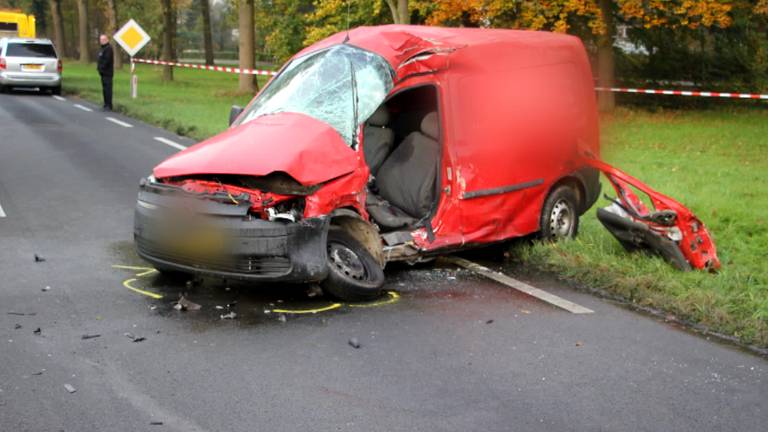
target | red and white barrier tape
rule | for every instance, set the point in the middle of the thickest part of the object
(692, 93)
(695, 93)
(205, 67)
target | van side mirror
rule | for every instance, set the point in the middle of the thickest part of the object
(234, 113)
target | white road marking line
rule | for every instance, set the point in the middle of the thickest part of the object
(521, 286)
(84, 108)
(2, 212)
(119, 122)
(59, 98)
(170, 143)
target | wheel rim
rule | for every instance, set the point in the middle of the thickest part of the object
(561, 220)
(346, 261)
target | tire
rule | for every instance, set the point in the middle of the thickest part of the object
(56, 91)
(353, 274)
(3, 89)
(559, 216)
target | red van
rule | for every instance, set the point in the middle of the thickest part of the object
(390, 143)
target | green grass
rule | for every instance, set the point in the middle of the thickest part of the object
(715, 163)
(195, 104)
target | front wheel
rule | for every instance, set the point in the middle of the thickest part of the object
(559, 217)
(353, 274)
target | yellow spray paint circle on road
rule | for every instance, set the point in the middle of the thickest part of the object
(141, 272)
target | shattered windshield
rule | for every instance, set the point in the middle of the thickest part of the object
(320, 85)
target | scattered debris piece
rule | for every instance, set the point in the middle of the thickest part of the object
(231, 304)
(282, 318)
(156, 423)
(490, 321)
(152, 307)
(134, 338)
(217, 307)
(189, 284)
(183, 304)
(37, 331)
(46, 289)
(40, 372)
(354, 343)
(16, 313)
(70, 388)
(579, 343)
(89, 336)
(314, 291)
(230, 316)
(17, 326)
(525, 311)
(451, 278)
(38, 258)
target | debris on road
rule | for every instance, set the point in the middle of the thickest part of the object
(156, 423)
(282, 318)
(22, 313)
(217, 307)
(579, 343)
(182, 304)
(17, 326)
(38, 258)
(314, 291)
(134, 338)
(70, 388)
(46, 289)
(89, 336)
(490, 321)
(229, 316)
(40, 372)
(354, 343)
(38, 331)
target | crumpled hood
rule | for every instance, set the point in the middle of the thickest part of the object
(307, 149)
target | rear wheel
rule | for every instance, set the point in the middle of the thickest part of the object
(354, 275)
(3, 89)
(56, 91)
(559, 217)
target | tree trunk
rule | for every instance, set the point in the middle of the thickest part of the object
(205, 10)
(246, 49)
(606, 100)
(110, 10)
(58, 27)
(400, 12)
(169, 28)
(82, 23)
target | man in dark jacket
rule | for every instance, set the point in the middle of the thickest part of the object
(105, 66)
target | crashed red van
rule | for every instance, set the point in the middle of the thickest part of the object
(390, 143)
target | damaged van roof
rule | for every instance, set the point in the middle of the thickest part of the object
(397, 43)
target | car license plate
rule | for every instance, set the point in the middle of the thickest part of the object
(202, 244)
(31, 67)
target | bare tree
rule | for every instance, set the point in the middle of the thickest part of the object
(246, 47)
(169, 33)
(110, 11)
(58, 26)
(400, 13)
(82, 25)
(205, 11)
(605, 62)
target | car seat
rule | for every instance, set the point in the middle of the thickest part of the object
(377, 139)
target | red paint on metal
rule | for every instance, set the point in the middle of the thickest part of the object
(696, 244)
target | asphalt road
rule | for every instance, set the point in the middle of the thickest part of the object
(453, 353)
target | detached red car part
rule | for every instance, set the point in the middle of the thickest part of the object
(668, 229)
(392, 143)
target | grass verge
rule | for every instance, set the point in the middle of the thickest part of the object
(195, 104)
(713, 162)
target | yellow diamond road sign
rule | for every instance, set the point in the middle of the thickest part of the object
(131, 37)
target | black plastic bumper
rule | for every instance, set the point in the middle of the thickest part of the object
(254, 250)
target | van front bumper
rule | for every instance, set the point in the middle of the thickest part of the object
(254, 250)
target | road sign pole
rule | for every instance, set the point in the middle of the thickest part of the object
(134, 80)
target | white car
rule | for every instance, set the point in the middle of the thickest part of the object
(29, 63)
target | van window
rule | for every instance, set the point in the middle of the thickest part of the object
(30, 50)
(338, 86)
